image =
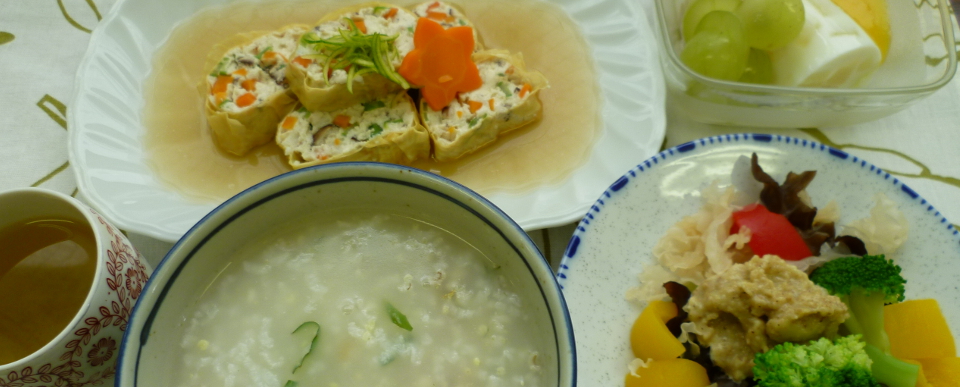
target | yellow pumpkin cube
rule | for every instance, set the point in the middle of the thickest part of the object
(918, 330)
(650, 338)
(943, 372)
(669, 373)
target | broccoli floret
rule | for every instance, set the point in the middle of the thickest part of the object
(821, 363)
(865, 284)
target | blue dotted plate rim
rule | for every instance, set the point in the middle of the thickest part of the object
(594, 212)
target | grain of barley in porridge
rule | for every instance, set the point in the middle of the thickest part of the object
(467, 326)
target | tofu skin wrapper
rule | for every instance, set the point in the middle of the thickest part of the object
(237, 131)
(503, 73)
(317, 95)
(401, 145)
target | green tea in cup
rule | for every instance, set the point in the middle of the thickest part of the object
(47, 267)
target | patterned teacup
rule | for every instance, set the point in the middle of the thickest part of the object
(85, 350)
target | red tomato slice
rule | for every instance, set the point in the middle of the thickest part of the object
(770, 233)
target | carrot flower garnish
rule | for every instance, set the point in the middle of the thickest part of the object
(440, 63)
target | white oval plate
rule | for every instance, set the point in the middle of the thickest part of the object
(618, 233)
(107, 152)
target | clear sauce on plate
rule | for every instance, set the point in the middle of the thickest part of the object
(181, 150)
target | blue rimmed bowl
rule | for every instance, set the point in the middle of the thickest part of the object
(616, 237)
(148, 353)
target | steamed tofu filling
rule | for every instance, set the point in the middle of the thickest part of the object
(321, 135)
(257, 69)
(442, 13)
(400, 23)
(254, 81)
(500, 92)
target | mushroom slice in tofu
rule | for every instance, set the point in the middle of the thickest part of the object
(385, 130)
(245, 93)
(321, 84)
(508, 99)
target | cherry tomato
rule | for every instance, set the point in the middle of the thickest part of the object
(770, 233)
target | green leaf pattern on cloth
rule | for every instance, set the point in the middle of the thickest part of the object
(73, 22)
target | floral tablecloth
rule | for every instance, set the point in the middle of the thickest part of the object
(42, 41)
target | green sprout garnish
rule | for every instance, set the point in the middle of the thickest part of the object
(356, 53)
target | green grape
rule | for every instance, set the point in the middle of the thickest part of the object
(716, 55)
(759, 68)
(771, 24)
(699, 9)
(723, 23)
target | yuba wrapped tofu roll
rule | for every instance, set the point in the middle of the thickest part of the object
(507, 100)
(330, 90)
(385, 130)
(246, 93)
(448, 16)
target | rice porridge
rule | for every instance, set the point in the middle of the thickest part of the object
(384, 300)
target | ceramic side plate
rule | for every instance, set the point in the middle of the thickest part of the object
(616, 237)
(106, 134)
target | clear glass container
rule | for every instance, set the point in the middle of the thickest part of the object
(922, 58)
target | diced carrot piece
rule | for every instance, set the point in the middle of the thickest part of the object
(220, 86)
(509, 70)
(241, 72)
(269, 55)
(459, 114)
(289, 122)
(249, 84)
(525, 89)
(219, 97)
(434, 5)
(391, 13)
(246, 100)
(360, 25)
(304, 62)
(342, 121)
(474, 106)
(490, 102)
(336, 141)
(439, 16)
